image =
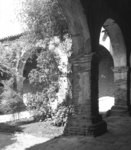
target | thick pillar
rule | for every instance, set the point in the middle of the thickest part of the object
(83, 120)
(121, 91)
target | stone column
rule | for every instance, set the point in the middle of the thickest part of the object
(120, 93)
(83, 120)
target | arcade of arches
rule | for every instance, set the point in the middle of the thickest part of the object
(85, 19)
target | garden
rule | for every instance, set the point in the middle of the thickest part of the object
(47, 39)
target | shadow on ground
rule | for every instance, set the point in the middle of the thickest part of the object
(9, 129)
(117, 137)
(7, 133)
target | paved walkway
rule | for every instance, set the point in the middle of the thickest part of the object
(118, 137)
(23, 141)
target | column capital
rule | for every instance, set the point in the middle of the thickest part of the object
(120, 69)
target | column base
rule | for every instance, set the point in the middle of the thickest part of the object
(85, 128)
(119, 110)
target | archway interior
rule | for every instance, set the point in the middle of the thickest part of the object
(106, 76)
(31, 63)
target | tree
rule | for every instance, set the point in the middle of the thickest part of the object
(44, 18)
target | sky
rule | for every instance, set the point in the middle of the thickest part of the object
(9, 24)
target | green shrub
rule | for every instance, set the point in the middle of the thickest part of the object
(39, 104)
(63, 111)
(11, 101)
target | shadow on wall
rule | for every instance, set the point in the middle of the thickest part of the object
(106, 75)
(106, 80)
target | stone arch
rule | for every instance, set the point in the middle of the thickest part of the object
(21, 65)
(77, 24)
(85, 119)
(118, 51)
(120, 69)
(105, 72)
(22, 62)
(106, 84)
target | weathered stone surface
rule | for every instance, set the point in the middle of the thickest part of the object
(77, 24)
(83, 121)
(121, 92)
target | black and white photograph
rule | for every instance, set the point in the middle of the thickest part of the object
(65, 74)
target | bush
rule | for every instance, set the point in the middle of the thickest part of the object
(61, 115)
(44, 78)
(39, 104)
(11, 101)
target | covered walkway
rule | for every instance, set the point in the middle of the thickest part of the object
(118, 137)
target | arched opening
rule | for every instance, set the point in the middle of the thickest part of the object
(106, 76)
(116, 41)
(113, 60)
(85, 119)
(31, 63)
(106, 80)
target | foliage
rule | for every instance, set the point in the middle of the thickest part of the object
(44, 79)
(39, 104)
(61, 116)
(8, 54)
(64, 109)
(44, 18)
(11, 101)
(47, 71)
